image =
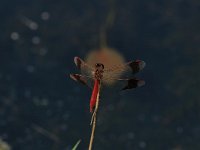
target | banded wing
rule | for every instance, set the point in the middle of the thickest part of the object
(85, 68)
(133, 66)
(86, 76)
(123, 72)
(132, 83)
(80, 78)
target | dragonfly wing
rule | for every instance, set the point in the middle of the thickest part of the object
(81, 79)
(86, 76)
(133, 83)
(85, 68)
(111, 74)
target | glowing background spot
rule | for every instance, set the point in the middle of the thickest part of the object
(14, 36)
(110, 58)
(45, 15)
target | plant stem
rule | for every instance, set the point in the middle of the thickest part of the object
(93, 120)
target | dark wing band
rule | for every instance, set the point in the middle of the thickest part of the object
(80, 78)
(133, 83)
(136, 65)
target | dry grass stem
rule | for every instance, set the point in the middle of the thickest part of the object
(93, 120)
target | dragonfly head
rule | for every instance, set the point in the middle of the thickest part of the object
(99, 66)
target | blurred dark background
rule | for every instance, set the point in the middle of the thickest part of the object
(42, 108)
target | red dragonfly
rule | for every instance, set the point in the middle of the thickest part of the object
(99, 74)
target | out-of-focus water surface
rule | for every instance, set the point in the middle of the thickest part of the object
(42, 108)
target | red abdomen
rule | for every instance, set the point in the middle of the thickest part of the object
(94, 95)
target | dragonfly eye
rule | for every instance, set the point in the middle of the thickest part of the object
(99, 65)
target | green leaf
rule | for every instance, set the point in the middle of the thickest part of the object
(75, 146)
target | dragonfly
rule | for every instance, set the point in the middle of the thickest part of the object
(99, 73)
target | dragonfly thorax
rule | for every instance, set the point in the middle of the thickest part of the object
(99, 71)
